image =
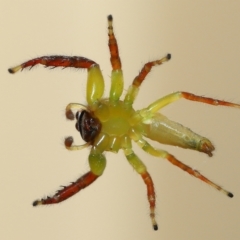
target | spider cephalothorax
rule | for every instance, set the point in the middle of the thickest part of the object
(111, 124)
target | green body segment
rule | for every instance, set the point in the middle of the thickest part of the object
(115, 120)
(95, 85)
(116, 85)
(97, 161)
(162, 102)
(131, 95)
(166, 131)
(135, 162)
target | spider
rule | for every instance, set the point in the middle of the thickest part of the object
(111, 124)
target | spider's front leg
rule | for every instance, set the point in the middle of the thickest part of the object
(97, 163)
(96, 159)
(68, 191)
(55, 61)
(95, 83)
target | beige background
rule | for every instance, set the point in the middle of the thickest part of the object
(204, 39)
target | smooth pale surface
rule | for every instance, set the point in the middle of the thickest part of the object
(203, 38)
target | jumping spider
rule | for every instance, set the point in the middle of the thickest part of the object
(110, 124)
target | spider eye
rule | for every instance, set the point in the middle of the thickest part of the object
(88, 126)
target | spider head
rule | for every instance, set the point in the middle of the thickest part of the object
(88, 126)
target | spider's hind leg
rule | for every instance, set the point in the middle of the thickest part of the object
(163, 154)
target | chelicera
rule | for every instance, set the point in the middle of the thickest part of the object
(111, 124)
(88, 126)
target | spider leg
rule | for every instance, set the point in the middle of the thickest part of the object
(163, 154)
(117, 75)
(162, 102)
(134, 88)
(55, 61)
(97, 164)
(140, 168)
(113, 46)
(95, 83)
(68, 191)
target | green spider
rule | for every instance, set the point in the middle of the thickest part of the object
(110, 124)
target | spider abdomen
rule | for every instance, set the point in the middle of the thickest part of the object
(166, 131)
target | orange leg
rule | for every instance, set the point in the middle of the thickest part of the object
(68, 191)
(170, 98)
(212, 101)
(196, 174)
(139, 166)
(113, 46)
(163, 154)
(56, 61)
(151, 197)
(147, 68)
(97, 163)
(134, 87)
